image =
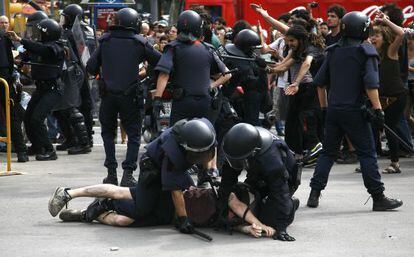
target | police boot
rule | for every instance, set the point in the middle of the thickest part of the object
(383, 203)
(79, 150)
(49, 155)
(128, 179)
(22, 157)
(111, 178)
(96, 208)
(313, 200)
(64, 146)
(69, 215)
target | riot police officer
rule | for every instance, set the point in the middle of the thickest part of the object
(75, 117)
(190, 64)
(251, 75)
(351, 71)
(271, 170)
(118, 57)
(47, 57)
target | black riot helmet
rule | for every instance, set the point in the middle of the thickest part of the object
(128, 18)
(189, 26)
(49, 30)
(197, 138)
(240, 143)
(31, 31)
(247, 40)
(355, 25)
(70, 13)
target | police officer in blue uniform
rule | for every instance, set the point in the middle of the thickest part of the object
(189, 63)
(118, 57)
(47, 57)
(351, 72)
(251, 76)
(271, 170)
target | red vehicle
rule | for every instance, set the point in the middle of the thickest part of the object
(233, 10)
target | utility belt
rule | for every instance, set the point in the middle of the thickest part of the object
(179, 93)
(387, 101)
(149, 172)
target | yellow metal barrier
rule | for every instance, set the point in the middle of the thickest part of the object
(7, 139)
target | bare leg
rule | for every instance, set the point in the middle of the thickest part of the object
(114, 219)
(101, 190)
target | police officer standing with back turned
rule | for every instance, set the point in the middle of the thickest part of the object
(189, 63)
(350, 69)
(117, 60)
(47, 57)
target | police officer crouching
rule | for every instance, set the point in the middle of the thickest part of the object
(189, 63)
(351, 71)
(271, 170)
(47, 57)
(118, 56)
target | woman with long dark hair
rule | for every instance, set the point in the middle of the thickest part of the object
(387, 38)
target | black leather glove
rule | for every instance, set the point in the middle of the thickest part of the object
(157, 106)
(260, 62)
(283, 236)
(184, 225)
(377, 117)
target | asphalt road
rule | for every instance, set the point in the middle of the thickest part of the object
(341, 226)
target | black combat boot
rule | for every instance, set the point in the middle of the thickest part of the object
(79, 149)
(128, 179)
(313, 200)
(383, 203)
(22, 157)
(96, 208)
(49, 155)
(111, 178)
(64, 146)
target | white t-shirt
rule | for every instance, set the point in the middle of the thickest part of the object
(279, 46)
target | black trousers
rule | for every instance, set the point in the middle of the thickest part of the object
(301, 121)
(40, 105)
(393, 115)
(86, 107)
(128, 109)
(190, 107)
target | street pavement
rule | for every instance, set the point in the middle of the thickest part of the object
(341, 226)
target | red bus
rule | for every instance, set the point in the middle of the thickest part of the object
(233, 10)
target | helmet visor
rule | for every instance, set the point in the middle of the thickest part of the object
(32, 32)
(242, 164)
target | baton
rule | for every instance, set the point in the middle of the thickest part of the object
(243, 58)
(202, 235)
(398, 138)
(41, 64)
(230, 71)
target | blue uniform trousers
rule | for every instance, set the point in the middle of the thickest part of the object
(129, 112)
(350, 122)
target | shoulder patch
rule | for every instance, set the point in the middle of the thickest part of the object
(369, 50)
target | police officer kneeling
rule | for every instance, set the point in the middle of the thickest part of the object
(47, 57)
(350, 69)
(119, 55)
(271, 170)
